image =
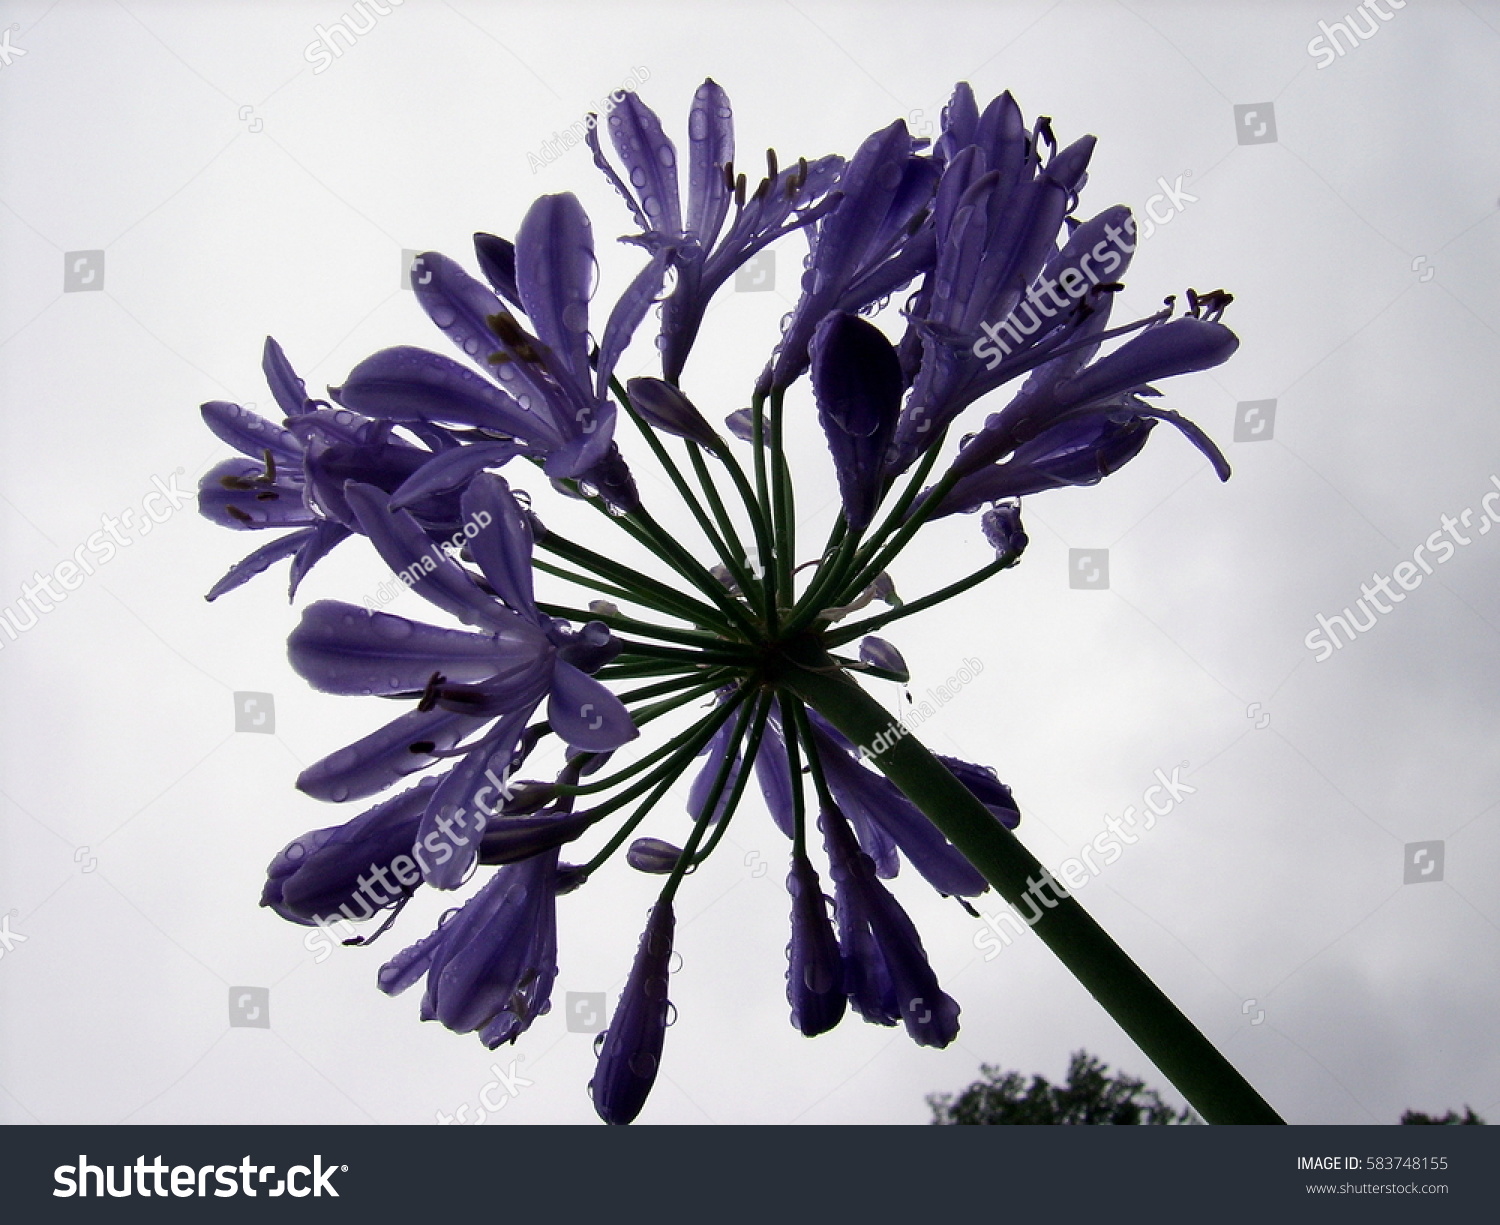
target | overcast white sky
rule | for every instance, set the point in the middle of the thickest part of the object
(235, 192)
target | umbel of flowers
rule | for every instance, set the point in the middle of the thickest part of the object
(753, 637)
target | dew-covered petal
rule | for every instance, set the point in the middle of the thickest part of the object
(502, 543)
(403, 746)
(626, 316)
(405, 383)
(873, 796)
(342, 648)
(815, 972)
(288, 390)
(554, 274)
(586, 714)
(710, 148)
(254, 563)
(650, 161)
(630, 1053)
(878, 653)
(326, 535)
(234, 495)
(987, 788)
(354, 869)
(249, 433)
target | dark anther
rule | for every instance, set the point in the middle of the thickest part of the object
(238, 483)
(234, 512)
(729, 175)
(739, 191)
(771, 170)
(270, 460)
(430, 694)
(504, 325)
(267, 495)
(1208, 306)
(421, 746)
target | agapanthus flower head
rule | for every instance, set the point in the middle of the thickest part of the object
(714, 647)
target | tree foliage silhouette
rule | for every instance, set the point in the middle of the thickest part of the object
(1089, 1096)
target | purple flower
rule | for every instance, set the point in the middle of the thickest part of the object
(271, 489)
(996, 217)
(467, 681)
(886, 973)
(856, 378)
(1109, 389)
(668, 410)
(786, 200)
(543, 390)
(490, 965)
(1001, 525)
(815, 971)
(867, 248)
(630, 1053)
(350, 868)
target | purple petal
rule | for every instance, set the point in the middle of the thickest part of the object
(348, 868)
(630, 1053)
(554, 274)
(325, 537)
(650, 161)
(286, 387)
(665, 408)
(879, 653)
(497, 260)
(586, 714)
(873, 796)
(422, 565)
(856, 378)
(403, 746)
(710, 148)
(501, 545)
(626, 317)
(814, 973)
(254, 563)
(410, 384)
(987, 788)
(451, 470)
(342, 648)
(248, 503)
(652, 856)
(454, 819)
(249, 433)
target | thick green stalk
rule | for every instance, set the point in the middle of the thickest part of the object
(1215, 1089)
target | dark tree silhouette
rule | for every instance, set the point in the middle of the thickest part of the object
(1090, 1096)
(1468, 1118)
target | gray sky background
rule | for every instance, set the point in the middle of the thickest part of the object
(235, 192)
